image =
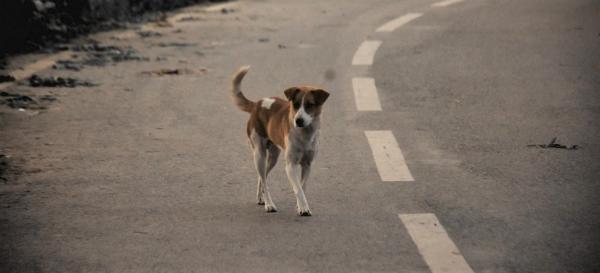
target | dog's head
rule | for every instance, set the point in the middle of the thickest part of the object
(306, 103)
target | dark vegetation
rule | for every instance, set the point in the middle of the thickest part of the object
(30, 25)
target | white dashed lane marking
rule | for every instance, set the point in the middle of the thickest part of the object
(388, 157)
(365, 53)
(398, 22)
(436, 248)
(365, 94)
(445, 3)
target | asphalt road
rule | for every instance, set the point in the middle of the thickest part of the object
(148, 173)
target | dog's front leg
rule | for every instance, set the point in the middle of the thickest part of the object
(305, 174)
(293, 171)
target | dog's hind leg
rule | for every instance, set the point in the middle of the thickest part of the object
(260, 161)
(272, 156)
(256, 146)
(259, 192)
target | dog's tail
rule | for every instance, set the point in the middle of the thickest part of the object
(238, 98)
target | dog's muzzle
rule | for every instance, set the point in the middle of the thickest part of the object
(299, 122)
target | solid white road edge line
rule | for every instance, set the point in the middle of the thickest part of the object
(365, 53)
(365, 94)
(388, 157)
(398, 22)
(436, 248)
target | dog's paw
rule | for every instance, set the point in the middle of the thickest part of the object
(304, 213)
(270, 208)
(260, 202)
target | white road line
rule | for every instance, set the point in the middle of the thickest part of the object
(398, 22)
(28, 70)
(365, 94)
(388, 156)
(365, 53)
(436, 248)
(445, 3)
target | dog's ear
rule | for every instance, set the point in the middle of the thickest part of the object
(291, 92)
(320, 96)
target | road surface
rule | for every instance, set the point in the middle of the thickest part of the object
(425, 161)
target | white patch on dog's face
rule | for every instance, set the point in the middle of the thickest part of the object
(267, 102)
(301, 114)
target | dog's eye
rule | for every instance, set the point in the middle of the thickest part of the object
(296, 105)
(309, 105)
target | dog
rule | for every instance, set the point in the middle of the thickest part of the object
(290, 125)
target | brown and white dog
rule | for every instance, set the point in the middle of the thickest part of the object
(290, 125)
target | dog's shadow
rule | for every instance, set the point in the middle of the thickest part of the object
(251, 212)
